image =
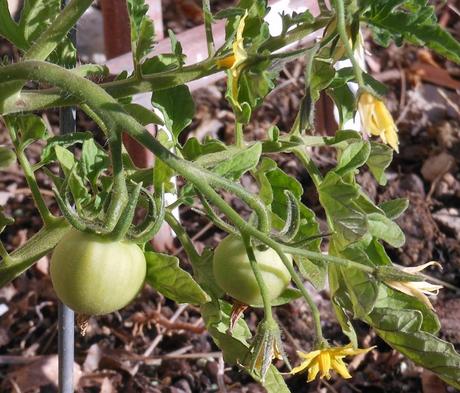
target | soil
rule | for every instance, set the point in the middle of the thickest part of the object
(154, 345)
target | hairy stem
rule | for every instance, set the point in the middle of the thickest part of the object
(341, 28)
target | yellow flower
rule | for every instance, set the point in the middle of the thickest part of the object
(326, 359)
(418, 289)
(377, 120)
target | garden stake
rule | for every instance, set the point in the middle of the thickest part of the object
(66, 324)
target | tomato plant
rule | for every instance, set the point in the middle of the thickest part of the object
(97, 263)
(95, 276)
(233, 272)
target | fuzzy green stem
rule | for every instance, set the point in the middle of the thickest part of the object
(184, 239)
(45, 214)
(341, 28)
(239, 135)
(268, 316)
(309, 165)
(208, 27)
(29, 175)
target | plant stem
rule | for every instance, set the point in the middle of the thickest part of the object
(45, 214)
(208, 27)
(341, 28)
(268, 316)
(184, 239)
(239, 136)
(29, 175)
(33, 100)
(309, 165)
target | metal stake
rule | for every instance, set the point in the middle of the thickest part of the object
(66, 325)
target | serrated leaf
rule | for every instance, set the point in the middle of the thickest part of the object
(416, 24)
(394, 208)
(165, 275)
(379, 160)
(36, 16)
(9, 29)
(142, 30)
(177, 106)
(383, 228)
(67, 140)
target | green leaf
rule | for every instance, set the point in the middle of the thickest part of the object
(28, 128)
(4, 220)
(383, 228)
(390, 298)
(177, 106)
(234, 346)
(9, 29)
(36, 16)
(394, 208)
(162, 173)
(402, 329)
(7, 157)
(94, 160)
(341, 302)
(361, 288)
(176, 48)
(288, 295)
(379, 160)
(413, 22)
(313, 272)
(338, 200)
(193, 149)
(242, 161)
(345, 101)
(142, 114)
(352, 157)
(165, 275)
(142, 30)
(77, 187)
(67, 140)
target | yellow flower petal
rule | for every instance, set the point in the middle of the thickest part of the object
(313, 371)
(322, 361)
(341, 368)
(377, 120)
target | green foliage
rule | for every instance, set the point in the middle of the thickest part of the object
(99, 189)
(411, 21)
(177, 106)
(165, 275)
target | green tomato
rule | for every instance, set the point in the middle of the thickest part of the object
(233, 272)
(95, 276)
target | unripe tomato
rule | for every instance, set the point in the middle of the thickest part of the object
(233, 272)
(95, 276)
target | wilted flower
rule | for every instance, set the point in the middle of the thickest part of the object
(377, 120)
(418, 289)
(236, 59)
(325, 359)
(266, 347)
